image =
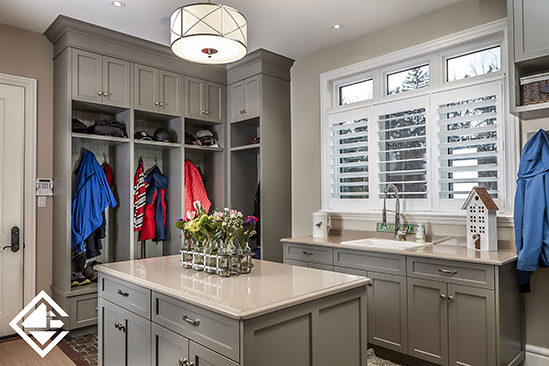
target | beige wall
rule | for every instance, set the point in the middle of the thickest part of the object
(306, 149)
(29, 54)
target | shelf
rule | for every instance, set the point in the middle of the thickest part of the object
(200, 123)
(250, 122)
(251, 148)
(153, 116)
(110, 140)
(96, 108)
(157, 145)
(532, 111)
(84, 289)
(203, 148)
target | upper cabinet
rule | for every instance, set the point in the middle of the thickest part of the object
(100, 79)
(528, 23)
(531, 22)
(244, 99)
(157, 90)
(204, 100)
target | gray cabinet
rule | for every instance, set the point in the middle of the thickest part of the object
(167, 347)
(124, 337)
(531, 26)
(244, 99)
(204, 100)
(157, 90)
(100, 79)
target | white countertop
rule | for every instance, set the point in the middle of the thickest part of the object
(268, 287)
(440, 251)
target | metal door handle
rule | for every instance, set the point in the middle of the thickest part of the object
(308, 253)
(161, 104)
(99, 93)
(450, 271)
(244, 111)
(117, 325)
(370, 284)
(156, 104)
(14, 240)
(105, 94)
(207, 112)
(442, 296)
(191, 321)
(125, 294)
(450, 298)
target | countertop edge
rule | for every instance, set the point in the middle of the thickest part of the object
(229, 312)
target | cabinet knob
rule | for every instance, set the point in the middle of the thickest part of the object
(117, 325)
(450, 298)
(182, 362)
(161, 104)
(244, 111)
(156, 104)
(203, 112)
(207, 112)
(99, 93)
(105, 94)
(370, 284)
(442, 296)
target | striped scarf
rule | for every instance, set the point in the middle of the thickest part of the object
(139, 196)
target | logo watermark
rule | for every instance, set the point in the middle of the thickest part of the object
(41, 315)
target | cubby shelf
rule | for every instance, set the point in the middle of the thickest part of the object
(251, 147)
(203, 148)
(156, 145)
(109, 140)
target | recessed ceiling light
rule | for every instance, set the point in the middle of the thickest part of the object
(118, 4)
(337, 26)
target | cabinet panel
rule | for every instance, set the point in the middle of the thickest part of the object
(252, 105)
(531, 27)
(132, 297)
(427, 321)
(194, 98)
(308, 253)
(215, 97)
(146, 85)
(356, 272)
(138, 339)
(167, 347)
(83, 310)
(387, 318)
(87, 76)
(471, 322)
(116, 82)
(386, 263)
(170, 93)
(236, 100)
(202, 356)
(111, 340)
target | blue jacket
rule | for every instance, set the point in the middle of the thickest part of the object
(532, 207)
(92, 196)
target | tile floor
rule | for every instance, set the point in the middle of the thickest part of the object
(86, 347)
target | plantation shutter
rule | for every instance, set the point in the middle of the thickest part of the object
(402, 151)
(469, 140)
(348, 160)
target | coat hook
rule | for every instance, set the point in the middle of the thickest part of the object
(155, 160)
(105, 155)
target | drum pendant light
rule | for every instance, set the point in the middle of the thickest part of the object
(208, 33)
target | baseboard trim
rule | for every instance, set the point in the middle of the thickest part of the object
(536, 356)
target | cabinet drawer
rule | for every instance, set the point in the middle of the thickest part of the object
(83, 310)
(370, 261)
(309, 253)
(460, 273)
(129, 296)
(213, 330)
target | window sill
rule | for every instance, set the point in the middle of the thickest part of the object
(440, 218)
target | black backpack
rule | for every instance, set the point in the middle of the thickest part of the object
(108, 128)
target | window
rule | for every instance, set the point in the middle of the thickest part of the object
(434, 145)
(415, 78)
(356, 92)
(473, 64)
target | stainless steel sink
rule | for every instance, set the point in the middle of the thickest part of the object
(385, 243)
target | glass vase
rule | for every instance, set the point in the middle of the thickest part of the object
(224, 260)
(246, 259)
(210, 256)
(198, 256)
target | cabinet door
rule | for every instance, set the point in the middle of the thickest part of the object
(116, 82)
(387, 319)
(146, 88)
(202, 356)
(194, 98)
(428, 320)
(167, 347)
(169, 93)
(472, 329)
(236, 98)
(215, 95)
(138, 339)
(87, 76)
(111, 340)
(253, 97)
(531, 27)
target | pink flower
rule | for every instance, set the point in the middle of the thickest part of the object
(191, 215)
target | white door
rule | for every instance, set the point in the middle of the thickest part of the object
(12, 138)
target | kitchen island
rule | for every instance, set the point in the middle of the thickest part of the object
(154, 312)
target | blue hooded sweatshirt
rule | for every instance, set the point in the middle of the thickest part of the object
(92, 195)
(532, 207)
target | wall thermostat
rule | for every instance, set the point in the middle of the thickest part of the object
(44, 187)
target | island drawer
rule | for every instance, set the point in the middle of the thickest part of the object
(460, 273)
(370, 261)
(210, 329)
(129, 296)
(309, 253)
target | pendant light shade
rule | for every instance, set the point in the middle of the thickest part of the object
(209, 33)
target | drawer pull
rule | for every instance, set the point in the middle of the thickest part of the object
(450, 271)
(191, 321)
(308, 253)
(125, 294)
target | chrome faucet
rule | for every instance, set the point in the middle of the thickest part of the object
(399, 234)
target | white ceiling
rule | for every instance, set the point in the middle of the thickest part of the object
(293, 28)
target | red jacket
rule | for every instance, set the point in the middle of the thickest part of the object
(194, 189)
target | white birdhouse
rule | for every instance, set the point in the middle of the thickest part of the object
(482, 228)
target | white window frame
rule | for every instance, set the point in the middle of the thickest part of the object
(435, 52)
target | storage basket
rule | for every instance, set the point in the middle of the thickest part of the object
(530, 89)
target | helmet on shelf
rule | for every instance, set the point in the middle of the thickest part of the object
(161, 134)
(142, 135)
(206, 138)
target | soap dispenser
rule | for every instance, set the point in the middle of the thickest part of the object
(420, 234)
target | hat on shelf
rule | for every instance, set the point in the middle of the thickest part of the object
(161, 134)
(142, 135)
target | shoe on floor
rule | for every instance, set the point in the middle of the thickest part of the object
(89, 272)
(78, 279)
